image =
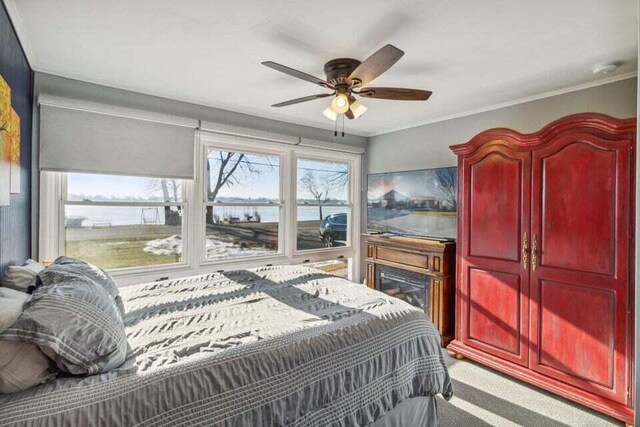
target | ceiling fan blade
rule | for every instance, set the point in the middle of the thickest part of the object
(376, 64)
(303, 99)
(398, 94)
(298, 74)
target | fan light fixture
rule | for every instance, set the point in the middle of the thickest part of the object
(330, 114)
(358, 109)
(340, 103)
(343, 105)
(355, 107)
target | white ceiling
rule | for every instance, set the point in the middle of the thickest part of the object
(471, 54)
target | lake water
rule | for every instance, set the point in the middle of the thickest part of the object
(118, 215)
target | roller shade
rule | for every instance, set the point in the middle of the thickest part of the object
(331, 146)
(111, 140)
(226, 129)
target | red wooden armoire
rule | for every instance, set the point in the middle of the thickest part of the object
(545, 257)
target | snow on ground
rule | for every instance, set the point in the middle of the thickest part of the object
(172, 246)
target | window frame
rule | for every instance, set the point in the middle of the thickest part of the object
(245, 147)
(53, 189)
(325, 157)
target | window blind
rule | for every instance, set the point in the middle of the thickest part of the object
(232, 130)
(113, 140)
(277, 137)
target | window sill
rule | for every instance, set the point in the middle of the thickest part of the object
(340, 250)
(224, 263)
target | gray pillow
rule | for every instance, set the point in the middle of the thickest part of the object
(75, 322)
(11, 303)
(22, 366)
(64, 268)
(21, 277)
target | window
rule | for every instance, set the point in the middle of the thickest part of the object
(323, 207)
(243, 204)
(252, 203)
(122, 222)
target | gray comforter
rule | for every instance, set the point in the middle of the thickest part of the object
(268, 346)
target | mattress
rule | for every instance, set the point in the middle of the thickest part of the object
(267, 346)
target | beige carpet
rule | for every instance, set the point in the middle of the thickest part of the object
(484, 397)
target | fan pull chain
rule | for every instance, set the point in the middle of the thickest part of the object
(343, 125)
(335, 130)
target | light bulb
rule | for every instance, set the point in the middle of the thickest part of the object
(357, 109)
(330, 114)
(340, 103)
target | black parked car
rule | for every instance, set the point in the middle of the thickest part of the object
(333, 231)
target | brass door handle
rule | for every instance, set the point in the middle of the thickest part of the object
(534, 252)
(525, 251)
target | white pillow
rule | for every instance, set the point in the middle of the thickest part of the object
(11, 303)
(23, 365)
(21, 277)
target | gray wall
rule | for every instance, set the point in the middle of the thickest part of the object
(69, 88)
(428, 146)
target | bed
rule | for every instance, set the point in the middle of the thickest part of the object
(266, 346)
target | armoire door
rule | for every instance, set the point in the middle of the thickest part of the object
(580, 263)
(494, 297)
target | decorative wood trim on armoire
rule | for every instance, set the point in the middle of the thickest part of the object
(431, 258)
(545, 257)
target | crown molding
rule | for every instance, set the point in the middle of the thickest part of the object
(540, 96)
(16, 21)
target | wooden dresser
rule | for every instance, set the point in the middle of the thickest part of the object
(420, 271)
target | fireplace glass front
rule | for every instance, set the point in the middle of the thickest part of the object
(406, 285)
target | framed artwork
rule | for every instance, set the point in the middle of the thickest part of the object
(5, 149)
(5, 103)
(13, 134)
(5, 168)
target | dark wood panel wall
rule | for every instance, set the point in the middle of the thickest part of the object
(15, 220)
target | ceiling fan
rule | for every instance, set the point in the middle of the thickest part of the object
(345, 77)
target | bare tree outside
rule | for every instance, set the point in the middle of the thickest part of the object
(321, 187)
(170, 189)
(319, 190)
(226, 173)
